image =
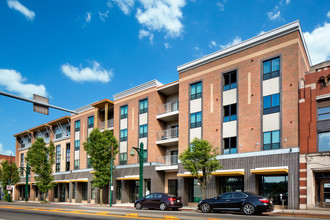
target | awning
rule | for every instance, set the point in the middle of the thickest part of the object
(188, 175)
(92, 172)
(132, 177)
(237, 172)
(84, 180)
(24, 183)
(61, 181)
(270, 170)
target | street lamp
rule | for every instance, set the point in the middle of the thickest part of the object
(111, 170)
(140, 153)
(27, 169)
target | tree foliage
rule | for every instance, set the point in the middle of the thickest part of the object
(98, 147)
(41, 160)
(9, 174)
(200, 160)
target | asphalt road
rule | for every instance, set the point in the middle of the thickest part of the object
(49, 212)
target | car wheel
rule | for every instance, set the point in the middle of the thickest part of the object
(138, 206)
(162, 206)
(248, 209)
(206, 207)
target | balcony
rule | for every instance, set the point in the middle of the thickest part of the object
(168, 137)
(168, 112)
(110, 124)
(167, 163)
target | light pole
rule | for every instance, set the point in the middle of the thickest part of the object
(140, 153)
(27, 169)
(111, 169)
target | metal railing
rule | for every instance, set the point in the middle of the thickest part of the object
(167, 160)
(168, 107)
(110, 124)
(167, 134)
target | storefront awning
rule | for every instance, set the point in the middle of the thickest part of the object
(61, 181)
(188, 175)
(132, 177)
(238, 172)
(24, 183)
(270, 170)
(84, 180)
(92, 172)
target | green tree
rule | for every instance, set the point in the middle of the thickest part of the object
(98, 147)
(41, 159)
(200, 160)
(9, 175)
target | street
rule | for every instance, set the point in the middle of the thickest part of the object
(45, 211)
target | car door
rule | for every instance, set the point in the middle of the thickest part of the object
(147, 201)
(221, 202)
(157, 200)
(237, 200)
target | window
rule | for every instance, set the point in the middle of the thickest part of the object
(76, 164)
(74, 191)
(324, 141)
(118, 192)
(230, 112)
(271, 68)
(67, 131)
(323, 110)
(93, 193)
(77, 145)
(145, 156)
(229, 145)
(123, 135)
(231, 184)
(22, 164)
(143, 131)
(124, 112)
(229, 80)
(84, 191)
(271, 140)
(58, 158)
(67, 166)
(273, 186)
(55, 192)
(123, 158)
(271, 104)
(47, 137)
(58, 133)
(196, 91)
(144, 106)
(91, 122)
(77, 126)
(194, 191)
(196, 120)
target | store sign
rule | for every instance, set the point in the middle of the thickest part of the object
(326, 185)
(9, 187)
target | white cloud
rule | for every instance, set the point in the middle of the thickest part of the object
(275, 14)
(124, 5)
(196, 48)
(5, 152)
(12, 81)
(221, 6)
(161, 15)
(236, 40)
(167, 45)
(328, 14)
(144, 33)
(14, 4)
(88, 17)
(287, 2)
(87, 74)
(318, 43)
(104, 15)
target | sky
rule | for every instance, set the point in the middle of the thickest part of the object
(80, 51)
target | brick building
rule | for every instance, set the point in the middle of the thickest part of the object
(3, 158)
(314, 116)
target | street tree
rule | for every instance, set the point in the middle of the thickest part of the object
(200, 160)
(9, 174)
(41, 159)
(100, 147)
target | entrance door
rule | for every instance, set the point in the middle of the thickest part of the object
(173, 187)
(62, 193)
(325, 194)
(133, 191)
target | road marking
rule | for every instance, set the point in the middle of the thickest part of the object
(169, 217)
(102, 213)
(133, 215)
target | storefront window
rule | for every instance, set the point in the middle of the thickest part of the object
(84, 191)
(134, 191)
(273, 186)
(147, 184)
(118, 194)
(231, 184)
(173, 187)
(195, 194)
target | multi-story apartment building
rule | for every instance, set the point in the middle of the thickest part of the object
(242, 99)
(314, 116)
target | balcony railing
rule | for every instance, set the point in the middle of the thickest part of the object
(167, 160)
(167, 134)
(110, 124)
(168, 107)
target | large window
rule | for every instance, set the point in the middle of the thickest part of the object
(271, 140)
(229, 80)
(58, 133)
(118, 192)
(323, 110)
(232, 184)
(143, 106)
(271, 104)
(273, 186)
(124, 112)
(196, 120)
(194, 191)
(271, 68)
(91, 122)
(145, 155)
(123, 135)
(77, 126)
(196, 91)
(173, 187)
(58, 158)
(230, 112)
(324, 141)
(143, 131)
(67, 166)
(84, 191)
(76, 164)
(123, 158)
(229, 145)
(77, 145)
(22, 164)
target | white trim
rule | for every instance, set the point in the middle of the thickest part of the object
(302, 178)
(161, 168)
(303, 196)
(313, 86)
(128, 176)
(137, 165)
(302, 170)
(233, 170)
(167, 86)
(167, 114)
(270, 35)
(169, 140)
(72, 171)
(303, 187)
(323, 96)
(301, 100)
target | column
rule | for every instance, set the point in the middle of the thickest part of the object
(96, 117)
(106, 116)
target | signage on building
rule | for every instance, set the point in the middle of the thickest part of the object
(9, 187)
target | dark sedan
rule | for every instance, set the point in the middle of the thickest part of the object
(162, 201)
(248, 203)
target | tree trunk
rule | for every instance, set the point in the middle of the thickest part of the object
(101, 196)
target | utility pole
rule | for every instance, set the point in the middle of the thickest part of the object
(140, 153)
(111, 170)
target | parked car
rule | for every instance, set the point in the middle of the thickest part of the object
(248, 203)
(162, 201)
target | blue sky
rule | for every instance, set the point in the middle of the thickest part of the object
(80, 51)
